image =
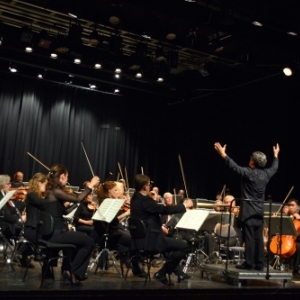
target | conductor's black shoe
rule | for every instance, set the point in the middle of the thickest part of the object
(162, 278)
(182, 277)
(244, 267)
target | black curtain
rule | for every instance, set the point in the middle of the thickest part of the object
(50, 121)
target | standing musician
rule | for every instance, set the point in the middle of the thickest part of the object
(54, 205)
(143, 207)
(294, 209)
(254, 181)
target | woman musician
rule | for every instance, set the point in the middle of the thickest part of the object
(55, 205)
(118, 237)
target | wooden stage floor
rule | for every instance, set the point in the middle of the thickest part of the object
(111, 285)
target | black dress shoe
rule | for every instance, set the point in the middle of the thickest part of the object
(244, 267)
(161, 278)
(183, 277)
(81, 278)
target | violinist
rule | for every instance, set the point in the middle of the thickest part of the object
(83, 217)
(143, 207)
(119, 238)
(11, 221)
(54, 205)
(34, 202)
(18, 180)
(293, 212)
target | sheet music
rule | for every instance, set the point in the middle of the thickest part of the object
(6, 198)
(108, 209)
(192, 219)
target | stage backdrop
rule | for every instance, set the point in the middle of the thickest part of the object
(50, 121)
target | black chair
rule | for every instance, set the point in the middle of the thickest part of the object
(138, 230)
(47, 252)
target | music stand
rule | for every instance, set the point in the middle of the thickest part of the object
(279, 226)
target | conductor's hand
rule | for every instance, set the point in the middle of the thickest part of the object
(276, 150)
(188, 203)
(220, 150)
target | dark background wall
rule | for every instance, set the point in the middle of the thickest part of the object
(50, 121)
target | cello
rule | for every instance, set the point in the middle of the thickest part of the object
(285, 245)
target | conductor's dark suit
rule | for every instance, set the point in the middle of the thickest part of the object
(146, 209)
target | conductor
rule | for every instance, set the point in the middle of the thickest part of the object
(254, 181)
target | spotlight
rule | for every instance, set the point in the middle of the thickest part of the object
(13, 69)
(77, 61)
(53, 55)
(117, 76)
(40, 76)
(138, 75)
(257, 23)
(92, 86)
(117, 91)
(118, 70)
(287, 71)
(28, 49)
(97, 66)
(160, 79)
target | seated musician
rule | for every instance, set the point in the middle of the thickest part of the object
(294, 209)
(119, 238)
(143, 206)
(18, 180)
(11, 220)
(83, 218)
(212, 239)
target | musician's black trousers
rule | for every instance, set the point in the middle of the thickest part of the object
(175, 252)
(252, 231)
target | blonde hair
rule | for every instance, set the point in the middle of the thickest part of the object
(34, 183)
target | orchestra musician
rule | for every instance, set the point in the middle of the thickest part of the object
(254, 181)
(18, 180)
(55, 205)
(293, 211)
(83, 217)
(11, 220)
(144, 207)
(34, 202)
(119, 238)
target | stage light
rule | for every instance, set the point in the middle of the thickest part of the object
(287, 71)
(97, 66)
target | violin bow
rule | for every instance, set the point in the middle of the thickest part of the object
(122, 177)
(142, 170)
(288, 194)
(47, 168)
(183, 177)
(223, 192)
(175, 199)
(92, 171)
(126, 178)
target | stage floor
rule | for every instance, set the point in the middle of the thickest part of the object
(215, 282)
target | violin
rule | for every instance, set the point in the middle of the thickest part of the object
(92, 205)
(20, 193)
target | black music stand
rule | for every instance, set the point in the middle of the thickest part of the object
(279, 226)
